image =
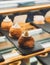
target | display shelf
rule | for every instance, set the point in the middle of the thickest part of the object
(24, 9)
(20, 56)
(23, 57)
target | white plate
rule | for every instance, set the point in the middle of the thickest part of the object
(2, 39)
(46, 45)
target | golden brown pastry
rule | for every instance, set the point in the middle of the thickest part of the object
(6, 24)
(39, 19)
(26, 41)
(15, 31)
(47, 17)
(26, 26)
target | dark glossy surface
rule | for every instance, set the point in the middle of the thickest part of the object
(36, 48)
(44, 60)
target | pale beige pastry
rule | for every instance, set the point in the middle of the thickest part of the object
(6, 23)
(15, 31)
(26, 41)
(47, 17)
(38, 19)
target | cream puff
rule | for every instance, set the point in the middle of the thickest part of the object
(15, 31)
(6, 24)
(26, 41)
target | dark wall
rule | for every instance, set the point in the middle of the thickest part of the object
(29, 15)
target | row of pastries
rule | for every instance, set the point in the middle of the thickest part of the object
(15, 30)
(40, 19)
(37, 19)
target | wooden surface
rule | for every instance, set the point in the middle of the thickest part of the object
(23, 9)
(13, 10)
(41, 36)
(24, 57)
(19, 57)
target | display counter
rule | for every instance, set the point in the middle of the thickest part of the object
(20, 56)
(24, 9)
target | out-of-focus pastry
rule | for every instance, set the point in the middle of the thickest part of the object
(47, 17)
(15, 31)
(39, 19)
(26, 26)
(6, 24)
(26, 41)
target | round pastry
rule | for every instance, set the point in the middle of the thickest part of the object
(15, 31)
(6, 24)
(47, 17)
(26, 41)
(39, 19)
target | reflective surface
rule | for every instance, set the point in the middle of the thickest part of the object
(5, 44)
(41, 36)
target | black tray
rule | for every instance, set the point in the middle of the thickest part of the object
(36, 48)
(45, 26)
(24, 51)
(1, 58)
(44, 60)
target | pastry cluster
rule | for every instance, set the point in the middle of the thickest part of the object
(13, 29)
